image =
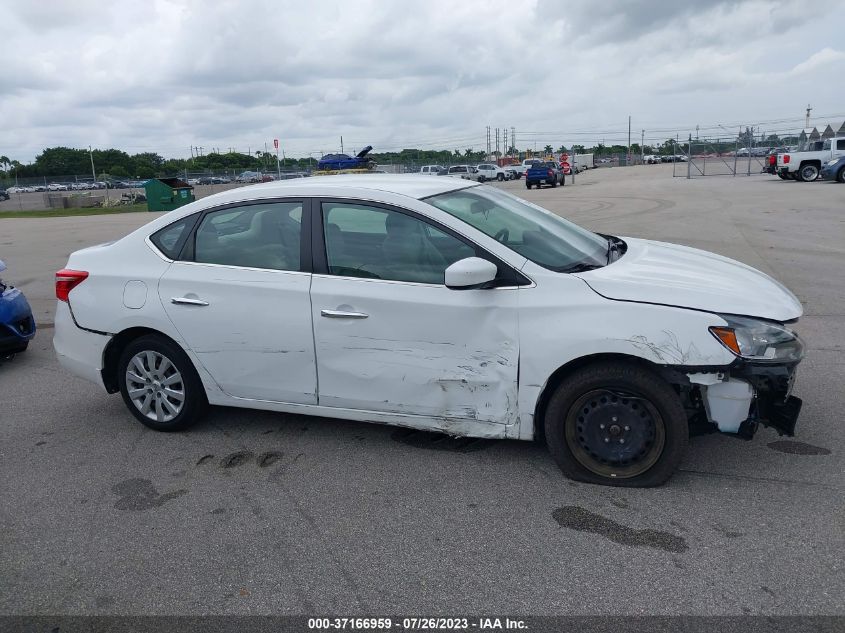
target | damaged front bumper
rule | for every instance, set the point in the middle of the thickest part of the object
(747, 394)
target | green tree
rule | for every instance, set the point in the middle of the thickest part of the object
(548, 149)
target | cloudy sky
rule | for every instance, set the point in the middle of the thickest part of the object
(162, 76)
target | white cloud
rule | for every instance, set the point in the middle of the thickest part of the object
(164, 75)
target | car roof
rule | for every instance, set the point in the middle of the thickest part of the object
(410, 185)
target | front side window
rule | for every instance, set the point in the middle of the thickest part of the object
(533, 232)
(253, 236)
(840, 144)
(375, 243)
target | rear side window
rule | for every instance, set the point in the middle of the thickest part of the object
(264, 236)
(170, 239)
(840, 144)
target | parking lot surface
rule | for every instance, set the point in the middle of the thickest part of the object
(259, 513)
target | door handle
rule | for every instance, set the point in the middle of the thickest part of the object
(188, 302)
(340, 314)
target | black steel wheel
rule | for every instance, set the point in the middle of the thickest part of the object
(617, 424)
(613, 433)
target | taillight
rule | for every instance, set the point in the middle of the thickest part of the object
(551, 173)
(67, 280)
(786, 159)
(772, 159)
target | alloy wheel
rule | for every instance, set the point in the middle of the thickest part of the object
(155, 386)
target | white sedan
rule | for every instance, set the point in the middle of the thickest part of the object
(437, 304)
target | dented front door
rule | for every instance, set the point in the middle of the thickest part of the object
(419, 349)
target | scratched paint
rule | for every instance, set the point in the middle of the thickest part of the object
(448, 356)
(254, 336)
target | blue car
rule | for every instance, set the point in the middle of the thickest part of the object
(834, 169)
(17, 327)
(333, 162)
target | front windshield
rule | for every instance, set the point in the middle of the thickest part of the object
(827, 144)
(533, 232)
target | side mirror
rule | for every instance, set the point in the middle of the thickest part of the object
(469, 273)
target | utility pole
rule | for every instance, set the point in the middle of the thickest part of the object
(341, 145)
(807, 120)
(507, 147)
(91, 154)
(628, 157)
(642, 146)
(513, 141)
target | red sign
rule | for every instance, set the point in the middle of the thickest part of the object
(276, 143)
(564, 157)
(565, 167)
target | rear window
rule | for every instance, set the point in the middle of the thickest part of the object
(170, 239)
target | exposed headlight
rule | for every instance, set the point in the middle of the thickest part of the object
(759, 340)
(833, 162)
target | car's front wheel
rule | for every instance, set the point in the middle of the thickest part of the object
(159, 384)
(841, 175)
(500, 177)
(616, 424)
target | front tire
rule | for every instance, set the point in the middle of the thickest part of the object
(528, 185)
(500, 177)
(841, 176)
(159, 384)
(616, 424)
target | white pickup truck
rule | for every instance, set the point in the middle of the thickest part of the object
(805, 166)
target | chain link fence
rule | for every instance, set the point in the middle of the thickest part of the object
(718, 157)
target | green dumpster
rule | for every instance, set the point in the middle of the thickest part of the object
(166, 194)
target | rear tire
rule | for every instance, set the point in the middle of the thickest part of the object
(808, 173)
(500, 177)
(616, 424)
(160, 385)
(528, 185)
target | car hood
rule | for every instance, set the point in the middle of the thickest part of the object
(669, 274)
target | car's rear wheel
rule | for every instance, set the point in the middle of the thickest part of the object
(527, 185)
(554, 182)
(500, 177)
(617, 425)
(808, 173)
(159, 384)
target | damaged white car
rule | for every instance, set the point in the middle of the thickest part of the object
(436, 304)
